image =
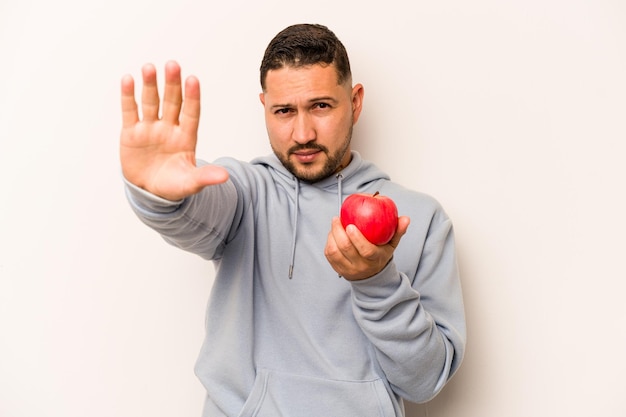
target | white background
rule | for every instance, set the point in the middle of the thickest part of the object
(511, 113)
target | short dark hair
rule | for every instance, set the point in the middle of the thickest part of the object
(303, 45)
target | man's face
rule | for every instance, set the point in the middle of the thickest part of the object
(309, 119)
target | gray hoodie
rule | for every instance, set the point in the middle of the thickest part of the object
(285, 336)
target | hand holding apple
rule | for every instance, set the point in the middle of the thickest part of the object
(352, 255)
(375, 215)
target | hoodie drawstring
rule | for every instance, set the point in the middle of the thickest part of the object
(295, 228)
(339, 196)
(295, 217)
(339, 192)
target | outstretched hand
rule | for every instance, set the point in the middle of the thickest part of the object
(353, 257)
(158, 153)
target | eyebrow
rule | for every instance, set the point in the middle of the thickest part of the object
(313, 100)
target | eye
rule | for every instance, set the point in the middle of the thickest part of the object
(283, 111)
(322, 105)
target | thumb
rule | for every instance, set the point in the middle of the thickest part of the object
(210, 175)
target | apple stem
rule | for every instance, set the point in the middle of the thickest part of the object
(375, 194)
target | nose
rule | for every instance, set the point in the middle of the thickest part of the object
(303, 128)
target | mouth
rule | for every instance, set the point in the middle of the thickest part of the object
(306, 155)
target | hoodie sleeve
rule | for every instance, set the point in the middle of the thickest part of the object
(199, 224)
(416, 323)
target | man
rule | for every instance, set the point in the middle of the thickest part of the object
(285, 336)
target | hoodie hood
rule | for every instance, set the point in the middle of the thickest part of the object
(354, 178)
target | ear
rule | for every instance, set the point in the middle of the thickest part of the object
(262, 98)
(357, 101)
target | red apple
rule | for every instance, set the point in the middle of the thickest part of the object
(375, 215)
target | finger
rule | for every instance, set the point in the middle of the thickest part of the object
(129, 105)
(201, 177)
(190, 117)
(332, 248)
(173, 96)
(363, 247)
(150, 93)
(335, 258)
(210, 175)
(342, 238)
(403, 225)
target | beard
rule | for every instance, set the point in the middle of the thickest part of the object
(310, 174)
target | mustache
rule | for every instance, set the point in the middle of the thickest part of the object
(307, 147)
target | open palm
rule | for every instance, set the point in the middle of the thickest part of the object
(158, 154)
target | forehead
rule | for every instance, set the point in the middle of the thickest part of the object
(312, 80)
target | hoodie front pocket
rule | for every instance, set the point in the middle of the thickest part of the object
(276, 394)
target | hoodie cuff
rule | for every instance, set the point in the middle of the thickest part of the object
(145, 201)
(380, 286)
